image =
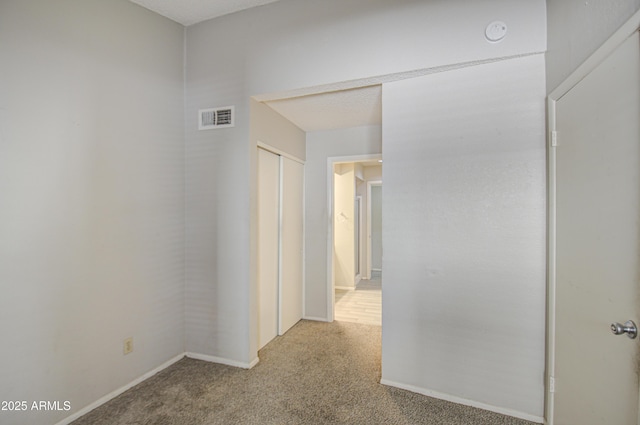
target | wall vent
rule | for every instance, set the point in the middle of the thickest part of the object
(215, 118)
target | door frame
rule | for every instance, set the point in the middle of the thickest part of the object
(331, 162)
(370, 184)
(358, 242)
(624, 32)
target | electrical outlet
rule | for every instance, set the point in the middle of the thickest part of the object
(128, 345)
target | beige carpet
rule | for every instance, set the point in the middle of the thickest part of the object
(318, 373)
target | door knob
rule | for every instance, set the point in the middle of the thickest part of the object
(629, 328)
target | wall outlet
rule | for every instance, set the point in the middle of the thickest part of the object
(128, 345)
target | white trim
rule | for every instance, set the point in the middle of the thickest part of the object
(330, 248)
(551, 262)
(358, 242)
(354, 158)
(464, 401)
(280, 244)
(304, 241)
(316, 319)
(370, 184)
(116, 393)
(222, 360)
(387, 78)
(280, 152)
(331, 161)
(624, 32)
(608, 47)
(346, 288)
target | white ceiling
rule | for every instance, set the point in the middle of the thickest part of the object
(338, 109)
(323, 111)
(189, 12)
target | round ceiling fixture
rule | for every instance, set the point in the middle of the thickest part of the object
(495, 31)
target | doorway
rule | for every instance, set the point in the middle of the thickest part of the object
(356, 276)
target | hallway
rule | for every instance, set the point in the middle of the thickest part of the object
(362, 305)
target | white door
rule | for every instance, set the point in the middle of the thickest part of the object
(268, 244)
(598, 243)
(280, 244)
(291, 237)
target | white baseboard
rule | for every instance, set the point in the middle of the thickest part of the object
(222, 360)
(464, 401)
(148, 375)
(317, 319)
(346, 288)
(119, 391)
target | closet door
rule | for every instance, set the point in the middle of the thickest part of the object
(291, 234)
(268, 244)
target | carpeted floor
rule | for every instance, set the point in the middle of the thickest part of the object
(318, 373)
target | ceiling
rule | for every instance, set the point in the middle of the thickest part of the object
(323, 111)
(189, 12)
(337, 109)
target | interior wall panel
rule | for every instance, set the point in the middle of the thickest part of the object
(92, 200)
(464, 235)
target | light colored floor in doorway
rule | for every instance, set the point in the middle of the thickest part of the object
(362, 305)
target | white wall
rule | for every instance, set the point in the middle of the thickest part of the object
(271, 128)
(91, 184)
(283, 46)
(322, 145)
(464, 235)
(344, 183)
(576, 28)
(373, 173)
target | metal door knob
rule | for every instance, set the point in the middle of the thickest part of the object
(629, 328)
